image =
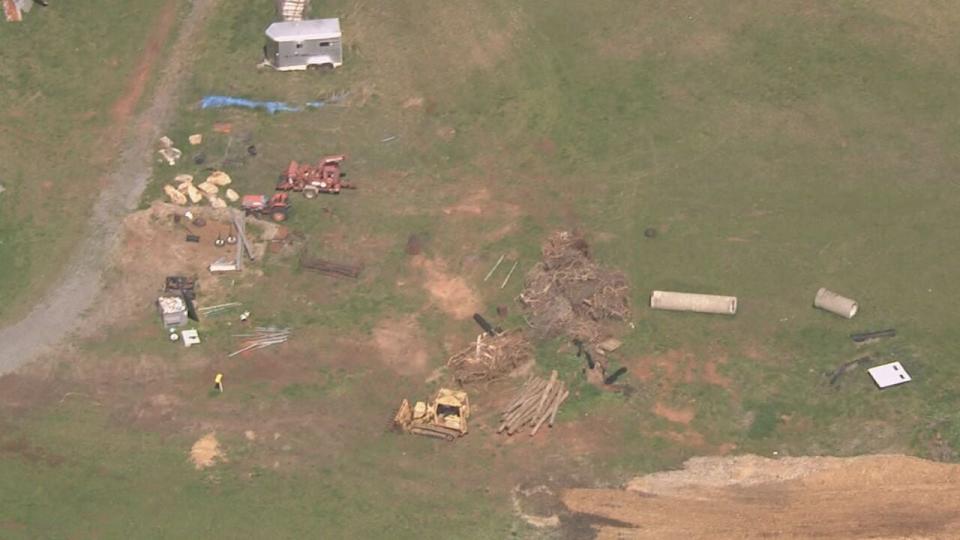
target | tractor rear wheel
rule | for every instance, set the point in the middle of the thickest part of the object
(278, 215)
(310, 192)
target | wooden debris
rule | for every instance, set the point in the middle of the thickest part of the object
(262, 337)
(330, 267)
(494, 269)
(536, 403)
(490, 358)
(510, 273)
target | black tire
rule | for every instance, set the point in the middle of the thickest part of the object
(278, 216)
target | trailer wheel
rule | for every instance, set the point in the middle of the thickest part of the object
(310, 192)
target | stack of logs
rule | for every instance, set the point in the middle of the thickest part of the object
(536, 402)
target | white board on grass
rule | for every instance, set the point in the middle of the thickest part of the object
(890, 374)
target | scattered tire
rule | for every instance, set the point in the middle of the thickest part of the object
(650, 232)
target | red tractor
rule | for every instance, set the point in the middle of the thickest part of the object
(276, 207)
(312, 180)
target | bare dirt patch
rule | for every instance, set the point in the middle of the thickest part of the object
(400, 343)
(206, 452)
(680, 415)
(885, 496)
(137, 84)
(450, 293)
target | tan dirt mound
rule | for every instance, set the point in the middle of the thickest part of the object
(450, 293)
(400, 345)
(206, 451)
(883, 496)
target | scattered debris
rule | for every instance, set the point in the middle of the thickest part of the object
(190, 337)
(292, 10)
(650, 232)
(262, 337)
(609, 345)
(388, 139)
(173, 310)
(699, 303)
(847, 367)
(510, 273)
(218, 385)
(168, 152)
(443, 418)
(219, 308)
(223, 265)
(175, 196)
(219, 178)
(536, 402)
(491, 358)
(494, 269)
(867, 336)
(836, 304)
(567, 293)
(312, 180)
(887, 375)
(330, 268)
(223, 127)
(232, 195)
(195, 139)
(200, 158)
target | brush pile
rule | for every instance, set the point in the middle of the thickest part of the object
(537, 402)
(491, 357)
(567, 293)
(263, 337)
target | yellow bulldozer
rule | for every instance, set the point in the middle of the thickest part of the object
(443, 418)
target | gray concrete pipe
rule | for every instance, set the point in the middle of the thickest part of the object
(700, 303)
(834, 303)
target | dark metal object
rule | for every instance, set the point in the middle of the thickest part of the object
(616, 375)
(582, 351)
(650, 232)
(193, 238)
(199, 222)
(487, 327)
(200, 158)
(847, 367)
(865, 336)
(252, 150)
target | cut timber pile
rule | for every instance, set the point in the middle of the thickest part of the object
(567, 293)
(490, 357)
(330, 268)
(536, 402)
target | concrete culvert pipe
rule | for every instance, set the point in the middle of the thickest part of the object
(700, 303)
(834, 303)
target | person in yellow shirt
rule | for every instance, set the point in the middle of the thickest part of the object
(218, 382)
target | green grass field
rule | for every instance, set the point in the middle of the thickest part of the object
(62, 71)
(777, 147)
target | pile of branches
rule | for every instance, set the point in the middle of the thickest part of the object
(491, 357)
(537, 402)
(568, 293)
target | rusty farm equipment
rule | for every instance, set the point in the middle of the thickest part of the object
(276, 207)
(312, 180)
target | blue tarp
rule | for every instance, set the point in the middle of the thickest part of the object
(216, 102)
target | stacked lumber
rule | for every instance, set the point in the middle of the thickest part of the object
(536, 403)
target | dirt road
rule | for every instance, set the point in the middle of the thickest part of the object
(59, 313)
(880, 496)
